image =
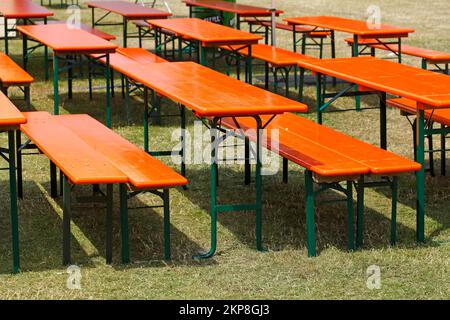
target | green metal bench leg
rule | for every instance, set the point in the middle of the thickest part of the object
(443, 152)
(383, 121)
(55, 84)
(431, 153)
(301, 84)
(319, 97)
(124, 223)
(53, 181)
(183, 140)
(146, 116)
(27, 96)
(66, 221)
(19, 165)
(90, 71)
(109, 223)
(108, 92)
(394, 188)
(350, 217)
(360, 212)
(167, 251)
(258, 180)
(127, 100)
(13, 201)
(310, 215)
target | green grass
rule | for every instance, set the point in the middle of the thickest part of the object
(237, 271)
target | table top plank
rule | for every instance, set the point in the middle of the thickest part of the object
(204, 31)
(209, 93)
(61, 38)
(10, 116)
(128, 9)
(356, 27)
(237, 8)
(23, 9)
(426, 87)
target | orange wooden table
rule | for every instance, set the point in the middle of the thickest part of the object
(10, 121)
(359, 29)
(67, 43)
(24, 10)
(208, 34)
(128, 11)
(212, 96)
(240, 10)
(428, 89)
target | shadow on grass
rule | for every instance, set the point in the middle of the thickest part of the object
(284, 225)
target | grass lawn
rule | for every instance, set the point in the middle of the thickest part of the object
(237, 271)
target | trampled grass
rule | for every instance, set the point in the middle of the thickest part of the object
(238, 271)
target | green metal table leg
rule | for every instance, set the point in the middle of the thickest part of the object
(249, 65)
(108, 92)
(420, 176)
(6, 36)
(167, 251)
(319, 97)
(360, 212)
(399, 50)
(310, 212)
(258, 185)
(55, 84)
(124, 223)
(109, 223)
(146, 141)
(394, 188)
(13, 202)
(125, 32)
(355, 54)
(66, 221)
(202, 54)
(383, 121)
(213, 193)
(46, 66)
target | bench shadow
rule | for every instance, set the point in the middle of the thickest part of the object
(145, 231)
(40, 232)
(284, 225)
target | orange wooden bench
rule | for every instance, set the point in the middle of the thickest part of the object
(88, 153)
(330, 158)
(438, 116)
(12, 75)
(428, 56)
(281, 60)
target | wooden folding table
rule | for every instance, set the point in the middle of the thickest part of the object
(128, 11)
(208, 34)
(67, 43)
(10, 121)
(428, 89)
(197, 88)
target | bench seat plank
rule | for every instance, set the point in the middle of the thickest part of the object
(142, 170)
(318, 148)
(96, 32)
(10, 116)
(81, 163)
(273, 55)
(441, 116)
(11, 73)
(431, 56)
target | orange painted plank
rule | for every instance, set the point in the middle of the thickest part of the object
(241, 9)
(142, 170)
(81, 163)
(11, 73)
(61, 38)
(273, 55)
(441, 116)
(10, 116)
(355, 27)
(129, 10)
(140, 55)
(206, 32)
(331, 153)
(427, 87)
(432, 56)
(23, 9)
(208, 92)
(289, 27)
